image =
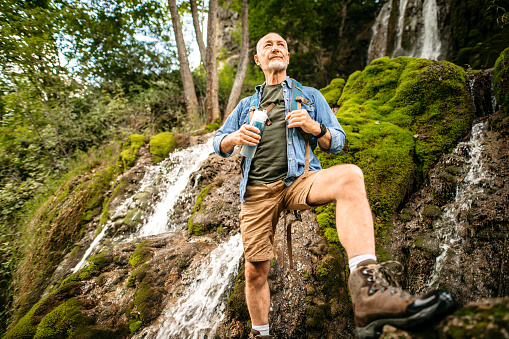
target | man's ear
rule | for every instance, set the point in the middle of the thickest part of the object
(256, 59)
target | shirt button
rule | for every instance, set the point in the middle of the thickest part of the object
(290, 159)
(289, 143)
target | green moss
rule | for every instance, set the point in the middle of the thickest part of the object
(236, 306)
(135, 325)
(432, 211)
(399, 115)
(130, 150)
(137, 275)
(161, 145)
(200, 197)
(97, 263)
(62, 320)
(132, 218)
(194, 228)
(333, 91)
(140, 255)
(501, 80)
(211, 127)
(144, 307)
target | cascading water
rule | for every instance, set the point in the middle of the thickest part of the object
(424, 25)
(431, 44)
(176, 170)
(198, 313)
(449, 228)
(170, 177)
(201, 309)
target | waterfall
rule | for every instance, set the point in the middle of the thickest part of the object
(176, 170)
(170, 177)
(420, 28)
(200, 310)
(430, 40)
(449, 228)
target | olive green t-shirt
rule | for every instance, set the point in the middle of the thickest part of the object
(269, 163)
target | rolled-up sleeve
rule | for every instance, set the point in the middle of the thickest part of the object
(231, 125)
(325, 116)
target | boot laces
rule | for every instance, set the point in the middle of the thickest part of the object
(381, 277)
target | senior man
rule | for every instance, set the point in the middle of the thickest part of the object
(284, 174)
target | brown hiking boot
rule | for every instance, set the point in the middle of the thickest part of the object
(377, 301)
(255, 334)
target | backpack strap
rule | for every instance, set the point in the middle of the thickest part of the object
(296, 104)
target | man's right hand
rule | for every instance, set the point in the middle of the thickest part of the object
(247, 134)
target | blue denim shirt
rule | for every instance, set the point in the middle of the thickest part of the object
(317, 108)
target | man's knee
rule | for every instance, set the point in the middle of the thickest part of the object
(257, 273)
(349, 175)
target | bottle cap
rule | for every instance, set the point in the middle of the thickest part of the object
(260, 116)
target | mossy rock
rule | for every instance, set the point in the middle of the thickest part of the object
(333, 91)
(501, 80)
(161, 145)
(399, 116)
(432, 212)
(132, 218)
(130, 150)
(198, 228)
(237, 307)
(97, 263)
(141, 254)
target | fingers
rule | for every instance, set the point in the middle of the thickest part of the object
(299, 118)
(248, 135)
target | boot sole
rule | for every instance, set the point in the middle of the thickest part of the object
(375, 328)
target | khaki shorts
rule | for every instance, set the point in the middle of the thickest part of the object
(260, 212)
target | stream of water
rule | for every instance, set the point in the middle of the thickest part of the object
(198, 313)
(170, 177)
(450, 227)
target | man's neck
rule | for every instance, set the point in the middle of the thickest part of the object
(274, 77)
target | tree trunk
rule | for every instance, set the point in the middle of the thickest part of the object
(213, 112)
(344, 9)
(243, 61)
(185, 70)
(199, 35)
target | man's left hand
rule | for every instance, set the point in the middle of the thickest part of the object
(300, 118)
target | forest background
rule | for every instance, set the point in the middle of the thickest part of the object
(76, 79)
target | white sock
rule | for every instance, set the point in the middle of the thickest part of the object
(263, 329)
(358, 259)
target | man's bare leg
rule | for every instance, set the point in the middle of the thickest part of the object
(344, 184)
(257, 292)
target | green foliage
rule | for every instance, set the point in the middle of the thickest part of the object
(323, 41)
(501, 80)
(161, 145)
(479, 30)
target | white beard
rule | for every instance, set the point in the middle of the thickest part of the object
(277, 65)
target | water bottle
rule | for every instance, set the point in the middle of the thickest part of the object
(258, 121)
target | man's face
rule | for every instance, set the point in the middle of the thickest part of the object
(272, 53)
